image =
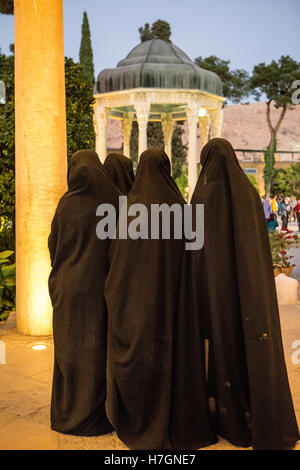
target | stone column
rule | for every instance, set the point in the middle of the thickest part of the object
(167, 128)
(142, 108)
(192, 111)
(101, 123)
(204, 129)
(41, 153)
(216, 122)
(126, 131)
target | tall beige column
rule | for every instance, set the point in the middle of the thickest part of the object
(204, 123)
(192, 111)
(41, 155)
(216, 122)
(101, 123)
(126, 131)
(142, 108)
(167, 128)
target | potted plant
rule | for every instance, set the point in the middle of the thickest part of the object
(281, 243)
(7, 284)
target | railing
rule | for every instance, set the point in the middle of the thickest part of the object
(251, 155)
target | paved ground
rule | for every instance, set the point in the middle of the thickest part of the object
(25, 385)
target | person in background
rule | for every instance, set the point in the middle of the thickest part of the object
(285, 213)
(120, 171)
(297, 212)
(267, 208)
(272, 223)
(293, 205)
(274, 205)
(279, 200)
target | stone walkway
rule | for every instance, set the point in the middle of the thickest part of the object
(25, 387)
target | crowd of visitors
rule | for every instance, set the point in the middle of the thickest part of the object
(287, 208)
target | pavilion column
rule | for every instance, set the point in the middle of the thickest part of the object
(101, 123)
(41, 153)
(192, 111)
(142, 108)
(216, 122)
(126, 131)
(167, 128)
(204, 124)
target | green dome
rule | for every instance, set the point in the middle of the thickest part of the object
(158, 64)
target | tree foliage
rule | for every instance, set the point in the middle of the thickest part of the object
(7, 7)
(179, 151)
(269, 157)
(288, 180)
(159, 30)
(79, 109)
(86, 51)
(235, 82)
(274, 81)
(7, 151)
(80, 134)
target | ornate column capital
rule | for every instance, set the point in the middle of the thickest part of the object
(100, 119)
(192, 112)
(216, 117)
(167, 128)
(204, 124)
(126, 131)
(142, 104)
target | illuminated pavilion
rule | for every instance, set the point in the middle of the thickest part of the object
(157, 81)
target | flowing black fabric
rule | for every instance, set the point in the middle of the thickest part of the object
(120, 171)
(141, 292)
(235, 291)
(191, 426)
(76, 283)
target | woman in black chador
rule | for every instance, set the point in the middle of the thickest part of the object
(79, 268)
(120, 171)
(235, 292)
(141, 292)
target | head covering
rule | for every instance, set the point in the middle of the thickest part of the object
(79, 267)
(120, 171)
(235, 291)
(141, 292)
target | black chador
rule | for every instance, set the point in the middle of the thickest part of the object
(141, 292)
(120, 170)
(234, 291)
(79, 268)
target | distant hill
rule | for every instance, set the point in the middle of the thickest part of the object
(244, 125)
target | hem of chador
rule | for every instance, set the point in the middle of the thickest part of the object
(199, 445)
(108, 430)
(286, 445)
(236, 442)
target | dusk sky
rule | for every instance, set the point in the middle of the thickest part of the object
(246, 32)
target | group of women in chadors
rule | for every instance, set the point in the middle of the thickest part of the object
(169, 348)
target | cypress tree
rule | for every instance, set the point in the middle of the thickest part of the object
(86, 51)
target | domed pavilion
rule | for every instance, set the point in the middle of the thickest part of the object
(157, 81)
